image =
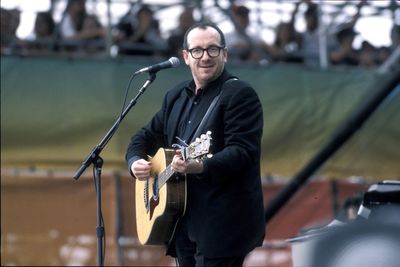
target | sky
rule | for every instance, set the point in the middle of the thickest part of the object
(371, 27)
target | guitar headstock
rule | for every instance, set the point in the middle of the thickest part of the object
(200, 148)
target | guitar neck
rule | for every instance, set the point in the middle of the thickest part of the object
(165, 175)
(194, 150)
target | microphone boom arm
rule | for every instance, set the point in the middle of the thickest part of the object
(94, 155)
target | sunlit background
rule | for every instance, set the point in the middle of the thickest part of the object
(373, 26)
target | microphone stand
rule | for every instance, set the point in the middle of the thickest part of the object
(94, 157)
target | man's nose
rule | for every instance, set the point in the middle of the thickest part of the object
(205, 55)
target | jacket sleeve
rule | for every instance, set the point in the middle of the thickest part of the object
(154, 134)
(148, 139)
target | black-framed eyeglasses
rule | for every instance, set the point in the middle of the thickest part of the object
(212, 51)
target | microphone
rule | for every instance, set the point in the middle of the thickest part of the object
(173, 62)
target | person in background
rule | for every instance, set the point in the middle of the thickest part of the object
(44, 26)
(310, 40)
(383, 53)
(395, 37)
(92, 35)
(367, 55)
(175, 40)
(10, 19)
(387, 57)
(243, 44)
(73, 18)
(92, 29)
(345, 54)
(224, 215)
(287, 41)
(43, 39)
(78, 25)
(140, 34)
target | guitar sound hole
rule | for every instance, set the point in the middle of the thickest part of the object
(155, 188)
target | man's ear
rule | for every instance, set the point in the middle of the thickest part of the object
(185, 55)
(225, 51)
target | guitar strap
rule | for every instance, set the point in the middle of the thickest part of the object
(209, 110)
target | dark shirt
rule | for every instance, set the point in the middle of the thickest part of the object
(190, 110)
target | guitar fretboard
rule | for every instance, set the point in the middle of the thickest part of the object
(164, 176)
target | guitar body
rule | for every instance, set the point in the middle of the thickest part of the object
(158, 210)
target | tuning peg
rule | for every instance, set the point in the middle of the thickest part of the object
(209, 156)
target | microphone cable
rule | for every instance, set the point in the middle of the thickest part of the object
(126, 96)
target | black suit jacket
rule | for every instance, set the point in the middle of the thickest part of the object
(224, 204)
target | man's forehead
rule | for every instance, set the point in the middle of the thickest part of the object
(198, 32)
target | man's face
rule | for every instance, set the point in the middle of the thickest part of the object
(207, 68)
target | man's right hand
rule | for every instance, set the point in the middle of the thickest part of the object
(141, 169)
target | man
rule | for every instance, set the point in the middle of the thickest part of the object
(224, 212)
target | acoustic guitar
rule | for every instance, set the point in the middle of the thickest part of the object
(161, 199)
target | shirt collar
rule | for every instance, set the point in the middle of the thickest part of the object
(214, 85)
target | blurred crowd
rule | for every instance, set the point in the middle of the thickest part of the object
(138, 33)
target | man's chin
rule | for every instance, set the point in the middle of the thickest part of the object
(207, 76)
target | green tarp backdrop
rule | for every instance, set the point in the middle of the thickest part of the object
(54, 110)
